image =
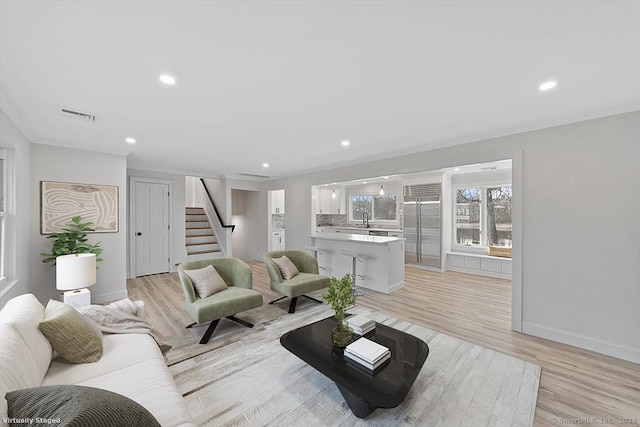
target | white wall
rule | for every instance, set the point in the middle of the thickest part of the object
(13, 139)
(50, 163)
(245, 216)
(178, 243)
(193, 193)
(580, 241)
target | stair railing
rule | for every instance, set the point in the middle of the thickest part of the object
(215, 209)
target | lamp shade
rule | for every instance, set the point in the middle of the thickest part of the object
(75, 271)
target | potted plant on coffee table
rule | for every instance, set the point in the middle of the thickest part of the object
(340, 297)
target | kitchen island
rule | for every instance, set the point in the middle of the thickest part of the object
(380, 265)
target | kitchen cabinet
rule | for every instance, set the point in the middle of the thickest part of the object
(277, 240)
(277, 202)
(330, 205)
(483, 265)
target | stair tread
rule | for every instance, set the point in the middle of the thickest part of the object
(204, 243)
(204, 252)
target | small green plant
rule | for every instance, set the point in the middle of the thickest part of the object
(340, 296)
(72, 240)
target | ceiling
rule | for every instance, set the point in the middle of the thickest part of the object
(286, 82)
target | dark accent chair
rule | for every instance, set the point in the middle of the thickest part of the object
(308, 280)
(238, 297)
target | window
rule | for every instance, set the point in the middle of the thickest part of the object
(483, 216)
(378, 208)
(2, 214)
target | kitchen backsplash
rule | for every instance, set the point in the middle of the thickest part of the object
(331, 220)
(277, 221)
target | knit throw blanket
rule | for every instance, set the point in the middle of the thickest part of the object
(120, 318)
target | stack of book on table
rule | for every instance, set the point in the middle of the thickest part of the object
(367, 354)
(360, 324)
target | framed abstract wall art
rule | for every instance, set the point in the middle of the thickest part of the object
(61, 201)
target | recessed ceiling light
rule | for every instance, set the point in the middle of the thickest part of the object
(547, 85)
(456, 169)
(385, 177)
(265, 165)
(167, 79)
(130, 140)
(345, 143)
(364, 182)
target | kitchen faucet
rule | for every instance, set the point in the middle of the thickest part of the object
(365, 219)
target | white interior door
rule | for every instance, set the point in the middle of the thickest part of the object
(151, 233)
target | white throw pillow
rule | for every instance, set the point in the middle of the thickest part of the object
(287, 268)
(206, 281)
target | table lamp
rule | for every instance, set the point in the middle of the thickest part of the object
(74, 272)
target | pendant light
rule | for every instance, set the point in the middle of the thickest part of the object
(333, 194)
(382, 190)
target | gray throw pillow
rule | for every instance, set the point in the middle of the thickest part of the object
(206, 281)
(75, 337)
(76, 406)
(287, 268)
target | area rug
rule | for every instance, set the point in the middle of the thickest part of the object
(252, 380)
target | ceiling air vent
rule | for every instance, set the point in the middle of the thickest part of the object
(489, 168)
(85, 117)
(254, 175)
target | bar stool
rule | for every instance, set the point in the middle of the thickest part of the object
(316, 251)
(356, 290)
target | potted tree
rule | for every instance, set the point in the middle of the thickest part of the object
(340, 297)
(72, 240)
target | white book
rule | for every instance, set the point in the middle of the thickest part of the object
(360, 321)
(370, 366)
(361, 331)
(367, 349)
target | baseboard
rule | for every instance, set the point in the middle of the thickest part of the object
(396, 286)
(583, 341)
(480, 272)
(108, 297)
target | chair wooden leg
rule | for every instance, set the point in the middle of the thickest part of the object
(242, 322)
(292, 306)
(209, 332)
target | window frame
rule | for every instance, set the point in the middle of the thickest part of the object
(483, 247)
(373, 196)
(7, 221)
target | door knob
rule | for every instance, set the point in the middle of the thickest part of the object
(139, 233)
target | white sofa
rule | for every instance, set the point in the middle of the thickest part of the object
(131, 365)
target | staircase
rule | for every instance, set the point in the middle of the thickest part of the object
(200, 237)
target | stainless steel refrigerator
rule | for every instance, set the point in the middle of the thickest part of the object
(422, 224)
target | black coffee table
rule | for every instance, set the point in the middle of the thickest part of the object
(363, 391)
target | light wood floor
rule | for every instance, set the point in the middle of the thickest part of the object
(577, 386)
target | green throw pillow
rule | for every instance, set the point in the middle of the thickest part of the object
(75, 406)
(71, 334)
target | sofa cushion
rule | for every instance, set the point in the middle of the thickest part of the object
(150, 384)
(119, 351)
(288, 269)
(72, 335)
(78, 406)
(207, 281)
(24, 313)
(18, 368)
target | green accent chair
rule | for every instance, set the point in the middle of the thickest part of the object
(238, 297)
(308, 280)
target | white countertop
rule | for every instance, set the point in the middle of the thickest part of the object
(346, 227)
(359, 238)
